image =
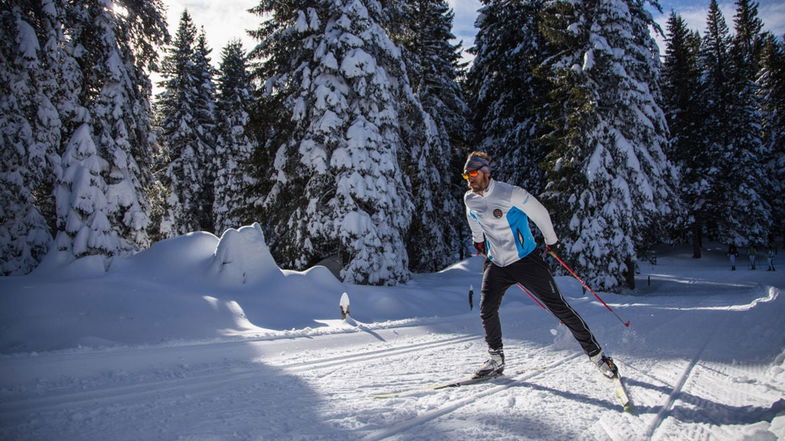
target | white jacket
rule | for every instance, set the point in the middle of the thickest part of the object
(500, 218)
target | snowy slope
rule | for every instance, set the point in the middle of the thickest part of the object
(201, 339)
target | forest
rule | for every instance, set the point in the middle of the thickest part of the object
(344, 130)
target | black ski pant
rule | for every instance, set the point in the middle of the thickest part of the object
(532, 272)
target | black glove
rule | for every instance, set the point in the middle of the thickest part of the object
(480, 247)
(554, 248)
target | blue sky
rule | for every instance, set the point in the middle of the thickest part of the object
(694, 12)
(225, 20)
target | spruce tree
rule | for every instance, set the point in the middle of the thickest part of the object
(772, 92)
(185, 114)
(504, 93)
(610, 186)
(683, 109)
(118, 46)
(30, 129)
(234, 146)
(432, 62)
(89, 106)
(206, 128)
(333, 88)
(745, 177)
(733, 131)
(82, 205)
(714, 63)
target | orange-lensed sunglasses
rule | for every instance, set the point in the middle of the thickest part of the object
(472, 173)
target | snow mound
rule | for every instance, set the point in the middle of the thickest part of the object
(179, 259)
(61, 265)
(243, 258)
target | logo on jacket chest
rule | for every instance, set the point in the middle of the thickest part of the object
(497, 213)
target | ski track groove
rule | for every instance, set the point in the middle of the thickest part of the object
(751, 392)
(665, 409)
(436, 413)
(431, 415)
(612, 432)
(373, 355)
(203, 383)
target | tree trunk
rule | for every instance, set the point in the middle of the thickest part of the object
(630, 273)
(696, 240)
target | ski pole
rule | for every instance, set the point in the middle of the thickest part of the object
(552, 254)
(534, 298)
(530, 295)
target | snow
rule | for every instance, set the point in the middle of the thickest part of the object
(242, 258)
(301, 25)
(357, 62)
(201, 338)
(28, 42)
(588, 60)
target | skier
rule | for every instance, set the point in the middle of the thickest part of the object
(732, 253)
(753, 252)
(498, 215)
(770, 256)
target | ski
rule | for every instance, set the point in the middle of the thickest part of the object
(440, 386)
(453, 384)
(622, 394)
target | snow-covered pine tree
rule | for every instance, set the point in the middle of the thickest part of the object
(234, 146)
(683, 109)
(772, 91)
(30, 51)
(180, 163)
(610, 185)
(116, 42)
(206, 128)
(732, 134)
(82, 206)
(434, 66)
(743, 177)
(437, 133)
(333, 88)
(504, 93)
(91, 104)
(714, 64)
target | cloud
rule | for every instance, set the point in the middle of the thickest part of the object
(223, 20)
(773, 16)
(463, 23)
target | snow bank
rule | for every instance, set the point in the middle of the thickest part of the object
(179, 259)
(198, 287)
(243, 258)
(194, 287)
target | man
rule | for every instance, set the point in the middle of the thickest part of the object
(732, 253)
(753, 252)
(498, 215)
(770, 255)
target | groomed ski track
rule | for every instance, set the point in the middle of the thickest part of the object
(320, 387)
(506, 383)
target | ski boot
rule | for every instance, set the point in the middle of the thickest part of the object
(492, 367)
(605, 365)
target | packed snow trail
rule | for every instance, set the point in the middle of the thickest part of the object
(506, 383)
(320, 388)
(704, 359)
